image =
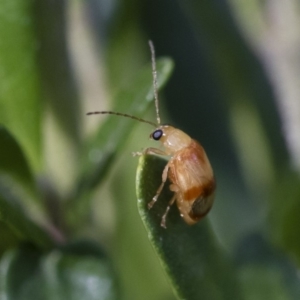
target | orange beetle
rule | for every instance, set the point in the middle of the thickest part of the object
(189, 170)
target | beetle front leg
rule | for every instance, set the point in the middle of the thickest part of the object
(151, 151)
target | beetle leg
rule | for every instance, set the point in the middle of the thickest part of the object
(164, 217)
(164, 179)
(151, 151)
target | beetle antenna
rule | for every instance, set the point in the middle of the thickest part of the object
(122, 115)
(154, 74)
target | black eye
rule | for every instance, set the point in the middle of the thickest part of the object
(157, 134)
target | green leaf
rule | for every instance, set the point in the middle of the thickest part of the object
(264, 271)
(8, 238)
(114, 132)
(62, 114)
(17, 190)
(20, 109)
(196, 265)
(284, 215)
(13, 164)
(259, 283)
(17, 270)
(60, 90)
(242, 77)
(17, 221)
(79, 271)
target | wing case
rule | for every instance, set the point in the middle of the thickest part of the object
(191, 173)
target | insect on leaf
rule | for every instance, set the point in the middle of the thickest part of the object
(193, 260)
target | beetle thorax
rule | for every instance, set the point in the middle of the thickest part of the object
(174, 139)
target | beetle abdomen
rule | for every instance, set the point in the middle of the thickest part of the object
(192, 193)
(201, 207)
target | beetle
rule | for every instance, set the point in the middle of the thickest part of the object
(188, 169)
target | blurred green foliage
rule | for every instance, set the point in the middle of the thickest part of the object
(69, 225)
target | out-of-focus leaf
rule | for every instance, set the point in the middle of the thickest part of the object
(57, 75)
(114, 132)
(18, 269)
(284, 213)
(196, 265)
(18, 223)
(126, 46)
(80, 271)
(13, 163)
(17, 189)
(265, 272)
(8, 238)
(241, 75)
(19, 85)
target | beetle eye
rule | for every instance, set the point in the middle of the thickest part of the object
(157, 134)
